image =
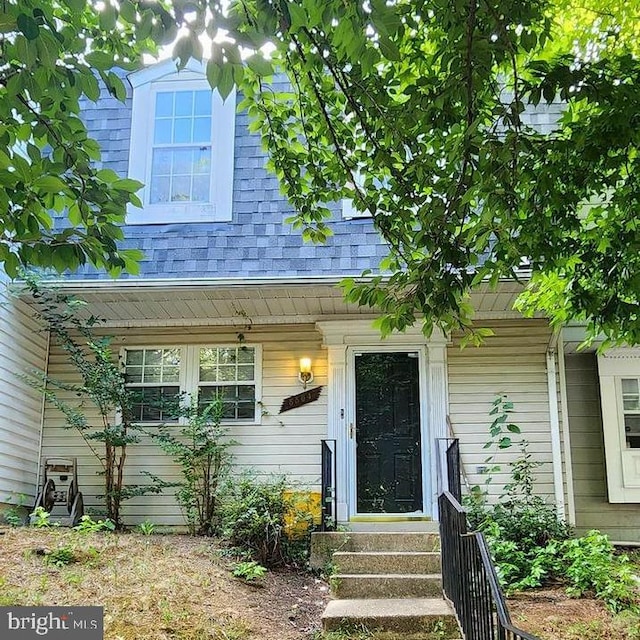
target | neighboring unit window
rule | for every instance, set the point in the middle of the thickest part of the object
(153, 375)
(182, 146)
(631, 411)
(228, 374)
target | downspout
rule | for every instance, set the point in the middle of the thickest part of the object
(554, 423)
(566, 435)
(42, 408)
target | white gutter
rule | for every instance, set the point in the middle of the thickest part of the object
(234, 281)
(566, 435)
(554, 423)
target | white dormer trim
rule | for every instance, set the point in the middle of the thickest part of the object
(165, 76)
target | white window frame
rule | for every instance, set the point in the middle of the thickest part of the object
(622, 462)
(146, 84)
(189, 372)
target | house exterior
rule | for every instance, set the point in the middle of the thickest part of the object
(228, 301)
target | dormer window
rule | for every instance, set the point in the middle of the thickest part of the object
(182, 139)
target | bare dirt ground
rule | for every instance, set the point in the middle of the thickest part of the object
(161, 587)
(157, 587)
(552, 615)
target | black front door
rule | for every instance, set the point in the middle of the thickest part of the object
(388, 435)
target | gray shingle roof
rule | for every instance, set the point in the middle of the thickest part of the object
(257, 241)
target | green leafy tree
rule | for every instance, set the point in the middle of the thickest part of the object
(107, 426)
(52, 53)
(414, 110)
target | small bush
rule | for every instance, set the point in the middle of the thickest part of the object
(88, 525)
(256, 516)
(249, 570)
(60, 557)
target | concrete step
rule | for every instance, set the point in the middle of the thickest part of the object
(368, 586)
(432, 617)
(324, 544)
(408, 562)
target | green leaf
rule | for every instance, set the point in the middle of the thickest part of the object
(49, 184)
(28, 26)
(226, 81)
(259, 65)
(100, 60)
(76, 5)
(7, 23)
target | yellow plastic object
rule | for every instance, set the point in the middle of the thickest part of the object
(304, 510)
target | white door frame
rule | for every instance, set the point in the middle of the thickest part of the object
(344, 337)
(351, 449)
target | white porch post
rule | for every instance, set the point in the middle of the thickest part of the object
(336, 425)
(437, 401)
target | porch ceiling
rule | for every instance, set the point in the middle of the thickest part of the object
(170, 303)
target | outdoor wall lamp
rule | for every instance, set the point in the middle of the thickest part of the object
(306, 375)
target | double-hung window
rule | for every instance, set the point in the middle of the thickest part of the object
(153, 377)
(182, 146)
(160, 377)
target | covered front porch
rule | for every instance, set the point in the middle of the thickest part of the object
(381, 406)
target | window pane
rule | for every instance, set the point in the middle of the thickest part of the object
(155, 404)
(162, 131)
(164, 104)
(134, 357)
(182, 130)
(182, 162)
(246, 411)
(208, 356)
(171, 357)
(152, 374)
(152, 356)
(227, 356)
(181, 190)
(208, 394)
(245, 372)
(201, 186)
(159, 190)
(133, 374)
(170, 374)
(184, 103)
(226, 373)
(161, 164)
(246, 354)
(208, 374)
(631, 403)
(629, 385)
(203, 103)
(202, 129)
(246, 392)
(632, 431)
(202, 161)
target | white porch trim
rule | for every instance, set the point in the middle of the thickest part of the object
(338, 337)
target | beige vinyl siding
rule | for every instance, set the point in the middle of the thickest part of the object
(281, 444)
(23, 348)
(512, 362)
(593, 511)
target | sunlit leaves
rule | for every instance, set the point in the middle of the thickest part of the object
(420, 112)
(60, 212)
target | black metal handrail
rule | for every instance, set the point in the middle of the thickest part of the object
(328, 499)
(469, 577)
